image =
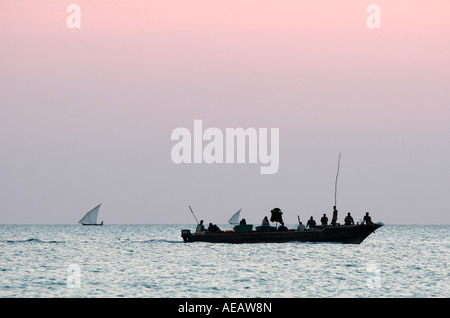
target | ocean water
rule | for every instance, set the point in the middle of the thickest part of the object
(153, 261)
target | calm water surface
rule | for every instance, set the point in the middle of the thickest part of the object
(153, 261)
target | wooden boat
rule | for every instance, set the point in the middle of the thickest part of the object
(353, 234)
(244, 233)
(91, 217)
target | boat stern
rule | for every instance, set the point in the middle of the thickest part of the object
(186, 235)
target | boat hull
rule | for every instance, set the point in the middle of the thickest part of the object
(353, 234)
(101, 224)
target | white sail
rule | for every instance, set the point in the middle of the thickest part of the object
(91, 216)
(235, 218)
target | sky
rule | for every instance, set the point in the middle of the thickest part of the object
(86, 114)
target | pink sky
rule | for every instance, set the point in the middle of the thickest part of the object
(138, 69)
(310, 41)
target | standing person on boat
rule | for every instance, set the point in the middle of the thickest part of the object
(324, 220)
(349, 220)
(200, 227)
(243, 222)
(367, 219)
(334, 218)
(311, 223)
(265, 221)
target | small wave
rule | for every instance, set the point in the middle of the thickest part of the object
(32, 240)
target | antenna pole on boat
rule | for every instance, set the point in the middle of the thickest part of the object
(335, 183)
(193, 214)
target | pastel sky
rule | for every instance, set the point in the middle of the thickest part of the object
(86, 114)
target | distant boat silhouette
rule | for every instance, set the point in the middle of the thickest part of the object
(91, 217)
(235, 218)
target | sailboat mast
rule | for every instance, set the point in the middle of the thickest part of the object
(335, 183)
(193, 214)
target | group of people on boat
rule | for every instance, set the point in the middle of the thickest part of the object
(348, 220)
(212, 228)
(311, 224)
(277, 217)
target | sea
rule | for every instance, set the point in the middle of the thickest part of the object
(152, 261)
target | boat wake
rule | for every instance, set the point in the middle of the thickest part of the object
(161, 241)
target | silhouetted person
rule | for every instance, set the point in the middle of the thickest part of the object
(324, 220)
(243, 222)
(301, 227)
(349, 220)
(311, 223)
(200, 227)
(276, 216)
(367, 219)
(213, 228)
(265, 221)
(335, 215)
